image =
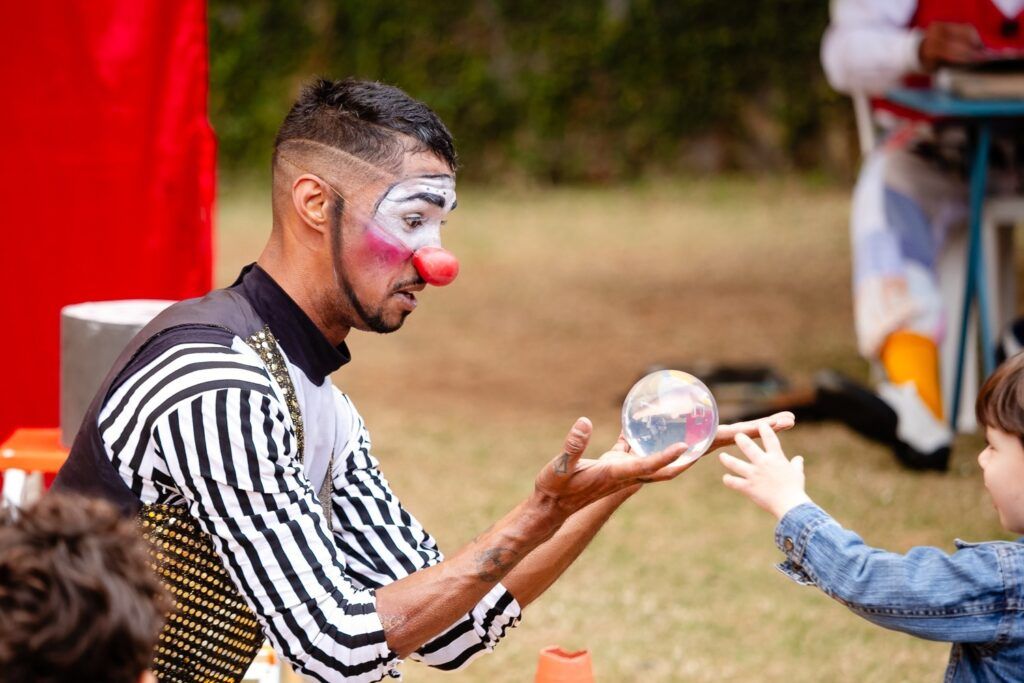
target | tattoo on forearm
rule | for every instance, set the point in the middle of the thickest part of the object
(562, 464)
(391, 621)
(494, 563)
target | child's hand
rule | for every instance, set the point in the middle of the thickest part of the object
(769, 479)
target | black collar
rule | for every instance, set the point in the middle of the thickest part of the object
(302, 341)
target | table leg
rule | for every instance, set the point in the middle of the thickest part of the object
(979, 184)
(975, 282)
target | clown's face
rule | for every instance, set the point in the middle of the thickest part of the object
(389, 243)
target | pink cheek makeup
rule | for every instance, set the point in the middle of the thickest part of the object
(384, 248)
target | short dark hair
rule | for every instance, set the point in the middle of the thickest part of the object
(1000, 402)
(78, 598)
(362, 118)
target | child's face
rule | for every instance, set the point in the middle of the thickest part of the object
(1003, 464)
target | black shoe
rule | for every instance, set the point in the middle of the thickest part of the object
(913, 459)
(845, 400)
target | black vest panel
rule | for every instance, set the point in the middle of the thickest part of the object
(216, 318)
(210, 634)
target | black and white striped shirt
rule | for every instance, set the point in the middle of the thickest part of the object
(205, 425)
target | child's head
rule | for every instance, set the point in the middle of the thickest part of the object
(1000, 410)
(78, 599)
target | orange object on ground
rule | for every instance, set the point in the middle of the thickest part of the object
(910, 357)
(558, 666)
(33, 450)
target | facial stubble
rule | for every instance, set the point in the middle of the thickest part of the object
(373, 320)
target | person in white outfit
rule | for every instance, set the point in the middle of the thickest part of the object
(911, 192)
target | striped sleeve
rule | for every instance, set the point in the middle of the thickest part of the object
(383, 542)
(217, 424)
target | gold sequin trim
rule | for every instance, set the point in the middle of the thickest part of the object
(265, 346)
(210, 634)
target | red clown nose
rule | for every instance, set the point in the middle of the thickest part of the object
(435, 265)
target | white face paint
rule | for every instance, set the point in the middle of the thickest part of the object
(413, 211)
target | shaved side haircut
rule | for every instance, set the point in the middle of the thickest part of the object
(368, 120)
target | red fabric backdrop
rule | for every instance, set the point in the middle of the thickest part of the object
(107, 178)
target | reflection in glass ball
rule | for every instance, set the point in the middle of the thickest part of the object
(668, 407)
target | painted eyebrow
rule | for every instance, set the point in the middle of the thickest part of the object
(429, 197)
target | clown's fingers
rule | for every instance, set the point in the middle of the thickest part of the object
(638, 469)
(668, 472)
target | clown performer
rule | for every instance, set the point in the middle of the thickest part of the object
(251, 474)
(912, 191)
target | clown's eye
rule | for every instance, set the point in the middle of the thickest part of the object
(414, 220)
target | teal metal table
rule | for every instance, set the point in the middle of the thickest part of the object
(980, 115)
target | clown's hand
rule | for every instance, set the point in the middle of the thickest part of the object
(726, 434)
(570, 482)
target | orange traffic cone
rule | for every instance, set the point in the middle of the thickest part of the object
(558, 666)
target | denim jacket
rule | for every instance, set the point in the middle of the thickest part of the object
(973, 598)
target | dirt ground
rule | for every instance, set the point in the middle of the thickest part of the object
(565, 297)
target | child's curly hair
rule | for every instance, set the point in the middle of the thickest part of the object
(78, 599)
(1000, 402)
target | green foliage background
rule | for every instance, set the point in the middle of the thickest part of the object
(553, 91)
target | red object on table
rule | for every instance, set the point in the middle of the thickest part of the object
(1003, 38)
(108, 185)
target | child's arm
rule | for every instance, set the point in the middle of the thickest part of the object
(964, 597)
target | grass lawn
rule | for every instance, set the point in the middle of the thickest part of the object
(565, 296)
